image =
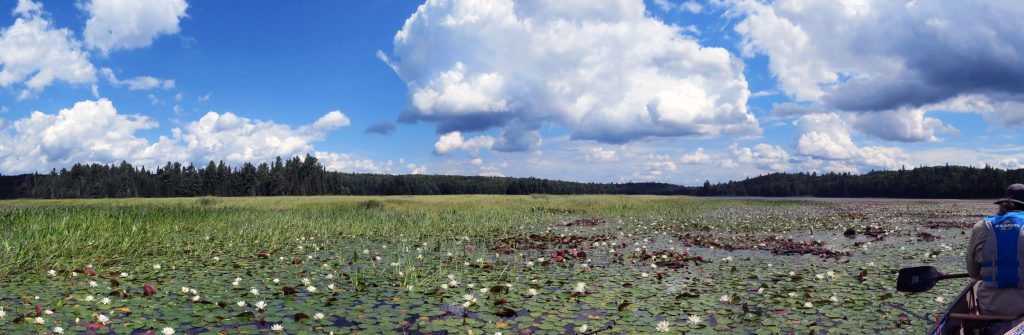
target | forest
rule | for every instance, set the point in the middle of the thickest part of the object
(306, 176)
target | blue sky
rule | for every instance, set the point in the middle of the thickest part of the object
(620, 90)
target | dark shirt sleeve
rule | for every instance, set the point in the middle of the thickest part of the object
(978, 236)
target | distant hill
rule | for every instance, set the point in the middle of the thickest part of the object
(305, 176)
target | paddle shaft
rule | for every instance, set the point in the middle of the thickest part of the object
(958, 275)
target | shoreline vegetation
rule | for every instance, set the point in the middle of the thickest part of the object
(306, 176)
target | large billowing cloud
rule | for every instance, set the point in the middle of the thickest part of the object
(35, 54)
(127, 24)
(826, 137)
(882, 55)
(94, 132)
(896, 58)
(604, 69)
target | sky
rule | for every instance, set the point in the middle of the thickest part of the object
(672, 91)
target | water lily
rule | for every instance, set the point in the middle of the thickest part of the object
(89, 298)
(58, 330)
(254, 291)
(184, 290)
(833, 299)
(167, 331)
(52, 273)
(277, 327)
(260, 305)
(318, 316)
(157, 267)
(305, 281)
(694, 319)
(102, 318)
(40, 320)
(940, 299)
(580, 287)
(662, 326)
(725, 298)
(584, 328)
(240, 303)
(3, 313)
(531, 292)
(105, 301)
(808, 304)
(93, 284)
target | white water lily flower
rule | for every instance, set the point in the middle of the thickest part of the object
(254, 292)
(645, 274)
(277, 327)
(195, 298)
(466, 304)
(483, 290)
(215, 258)
(580, 287)
(833, 299)
(124, 274)
(318, 316)
(184, 290)
(40, 320)
(694, 319)
(940, 299)
(52, 273)
(444, 286)
(808, 304)
(471, 285)
(760, 290)
(89, 298)
(410, 288)
(584, 328)
(529, 263)
(305, 281)
(276, 280)
(532, 292)
(330, 286)
(105, 301)
(819, 276)
(792, 294)
(48, 312)
(261, 304)
(58, 330)
(311, 289)
(102, 318)
(725, 298)
(167, 331)
(240, 303)
(157, 267)
(727, 259)
(3, 313)
(662, 326)
(453, 283)
(93, 284)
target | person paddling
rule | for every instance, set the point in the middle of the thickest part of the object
(994, 259)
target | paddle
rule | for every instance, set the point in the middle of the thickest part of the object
(921, 278)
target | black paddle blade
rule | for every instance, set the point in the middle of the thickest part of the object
(917, 279)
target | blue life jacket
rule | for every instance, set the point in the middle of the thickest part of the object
(1004, 247)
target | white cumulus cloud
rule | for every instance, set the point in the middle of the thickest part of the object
(827, 137)
(138, 83)
(94, 132)
(453, 141)
(763, 155)
(697, 157)
(605, 69)
(35, 54)
(125, 24)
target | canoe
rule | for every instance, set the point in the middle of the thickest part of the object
(962, 317)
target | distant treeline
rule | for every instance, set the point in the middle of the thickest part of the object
(954, 182)
(305, 176)
(296, 176)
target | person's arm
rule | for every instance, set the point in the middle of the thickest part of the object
(978, 235)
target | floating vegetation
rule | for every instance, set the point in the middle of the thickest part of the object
(474, 264)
